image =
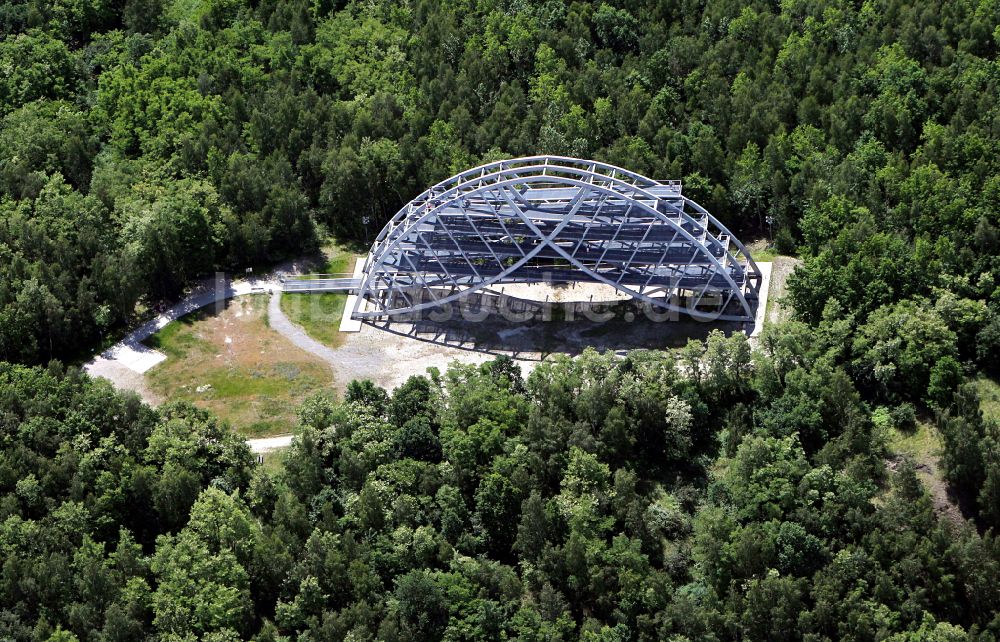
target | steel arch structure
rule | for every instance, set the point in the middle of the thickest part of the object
(558, 219)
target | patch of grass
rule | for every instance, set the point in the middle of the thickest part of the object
(989, 397)
(249, 375)
(338, 259)
(762, 250)
(274, 461)
(765, 255)
(181, 10)
(318, 314)
(173, 341)
(921, 445)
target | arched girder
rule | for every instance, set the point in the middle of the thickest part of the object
(508, 165)
(751, 264)
(474, 179)
(589, 179)
(555, 163)
(643, 297)
(734, 288)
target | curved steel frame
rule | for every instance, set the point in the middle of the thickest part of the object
(552, 218)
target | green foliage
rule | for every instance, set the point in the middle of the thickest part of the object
(705, 494)
(64, 282)
(899, 346)
(37, 65)
(416, 439)
(946, 376)
(477, 505)
(367, 394)
(762, 479)
(83, 497)
(43, 138)
(359, 55)
(202, 579)
(861, 136)
(970, 458)
(616, 29)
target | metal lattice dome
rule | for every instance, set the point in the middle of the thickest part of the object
(557, 219)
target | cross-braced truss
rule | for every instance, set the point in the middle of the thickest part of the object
(556, 219)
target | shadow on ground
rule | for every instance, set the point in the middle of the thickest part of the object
(529, 330)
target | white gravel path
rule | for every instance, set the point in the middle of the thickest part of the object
(125, 362)
(267, 444)
(131, 353)
(765, 286)
(386, 358)
(296, 334)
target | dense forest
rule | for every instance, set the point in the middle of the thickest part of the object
(147, 142)
(708, 493)
(600, 498)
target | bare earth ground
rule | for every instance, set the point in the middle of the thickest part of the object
(781, 268)
(923, 448)
(118, 365)
(234, 364)
(124, 378)
(388, 352)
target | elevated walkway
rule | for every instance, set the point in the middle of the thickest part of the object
(321, 283)
(334, 283)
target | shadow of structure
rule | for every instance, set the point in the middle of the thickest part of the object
(493, 323)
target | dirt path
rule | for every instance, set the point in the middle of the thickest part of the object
(295, 334)
(125, 363)
(928, 472)
(129, 356)
(781, 268)
(122, 378)
(267, 444)
(387, 358)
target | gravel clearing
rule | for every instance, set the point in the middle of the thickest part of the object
(387, 358)
(781, 268)
(122, 378)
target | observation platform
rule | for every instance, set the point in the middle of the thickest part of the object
(553, 219)
(550, 220)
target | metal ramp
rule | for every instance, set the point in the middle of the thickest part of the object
(309, 283)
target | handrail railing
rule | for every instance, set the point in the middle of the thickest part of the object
(315, 275)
